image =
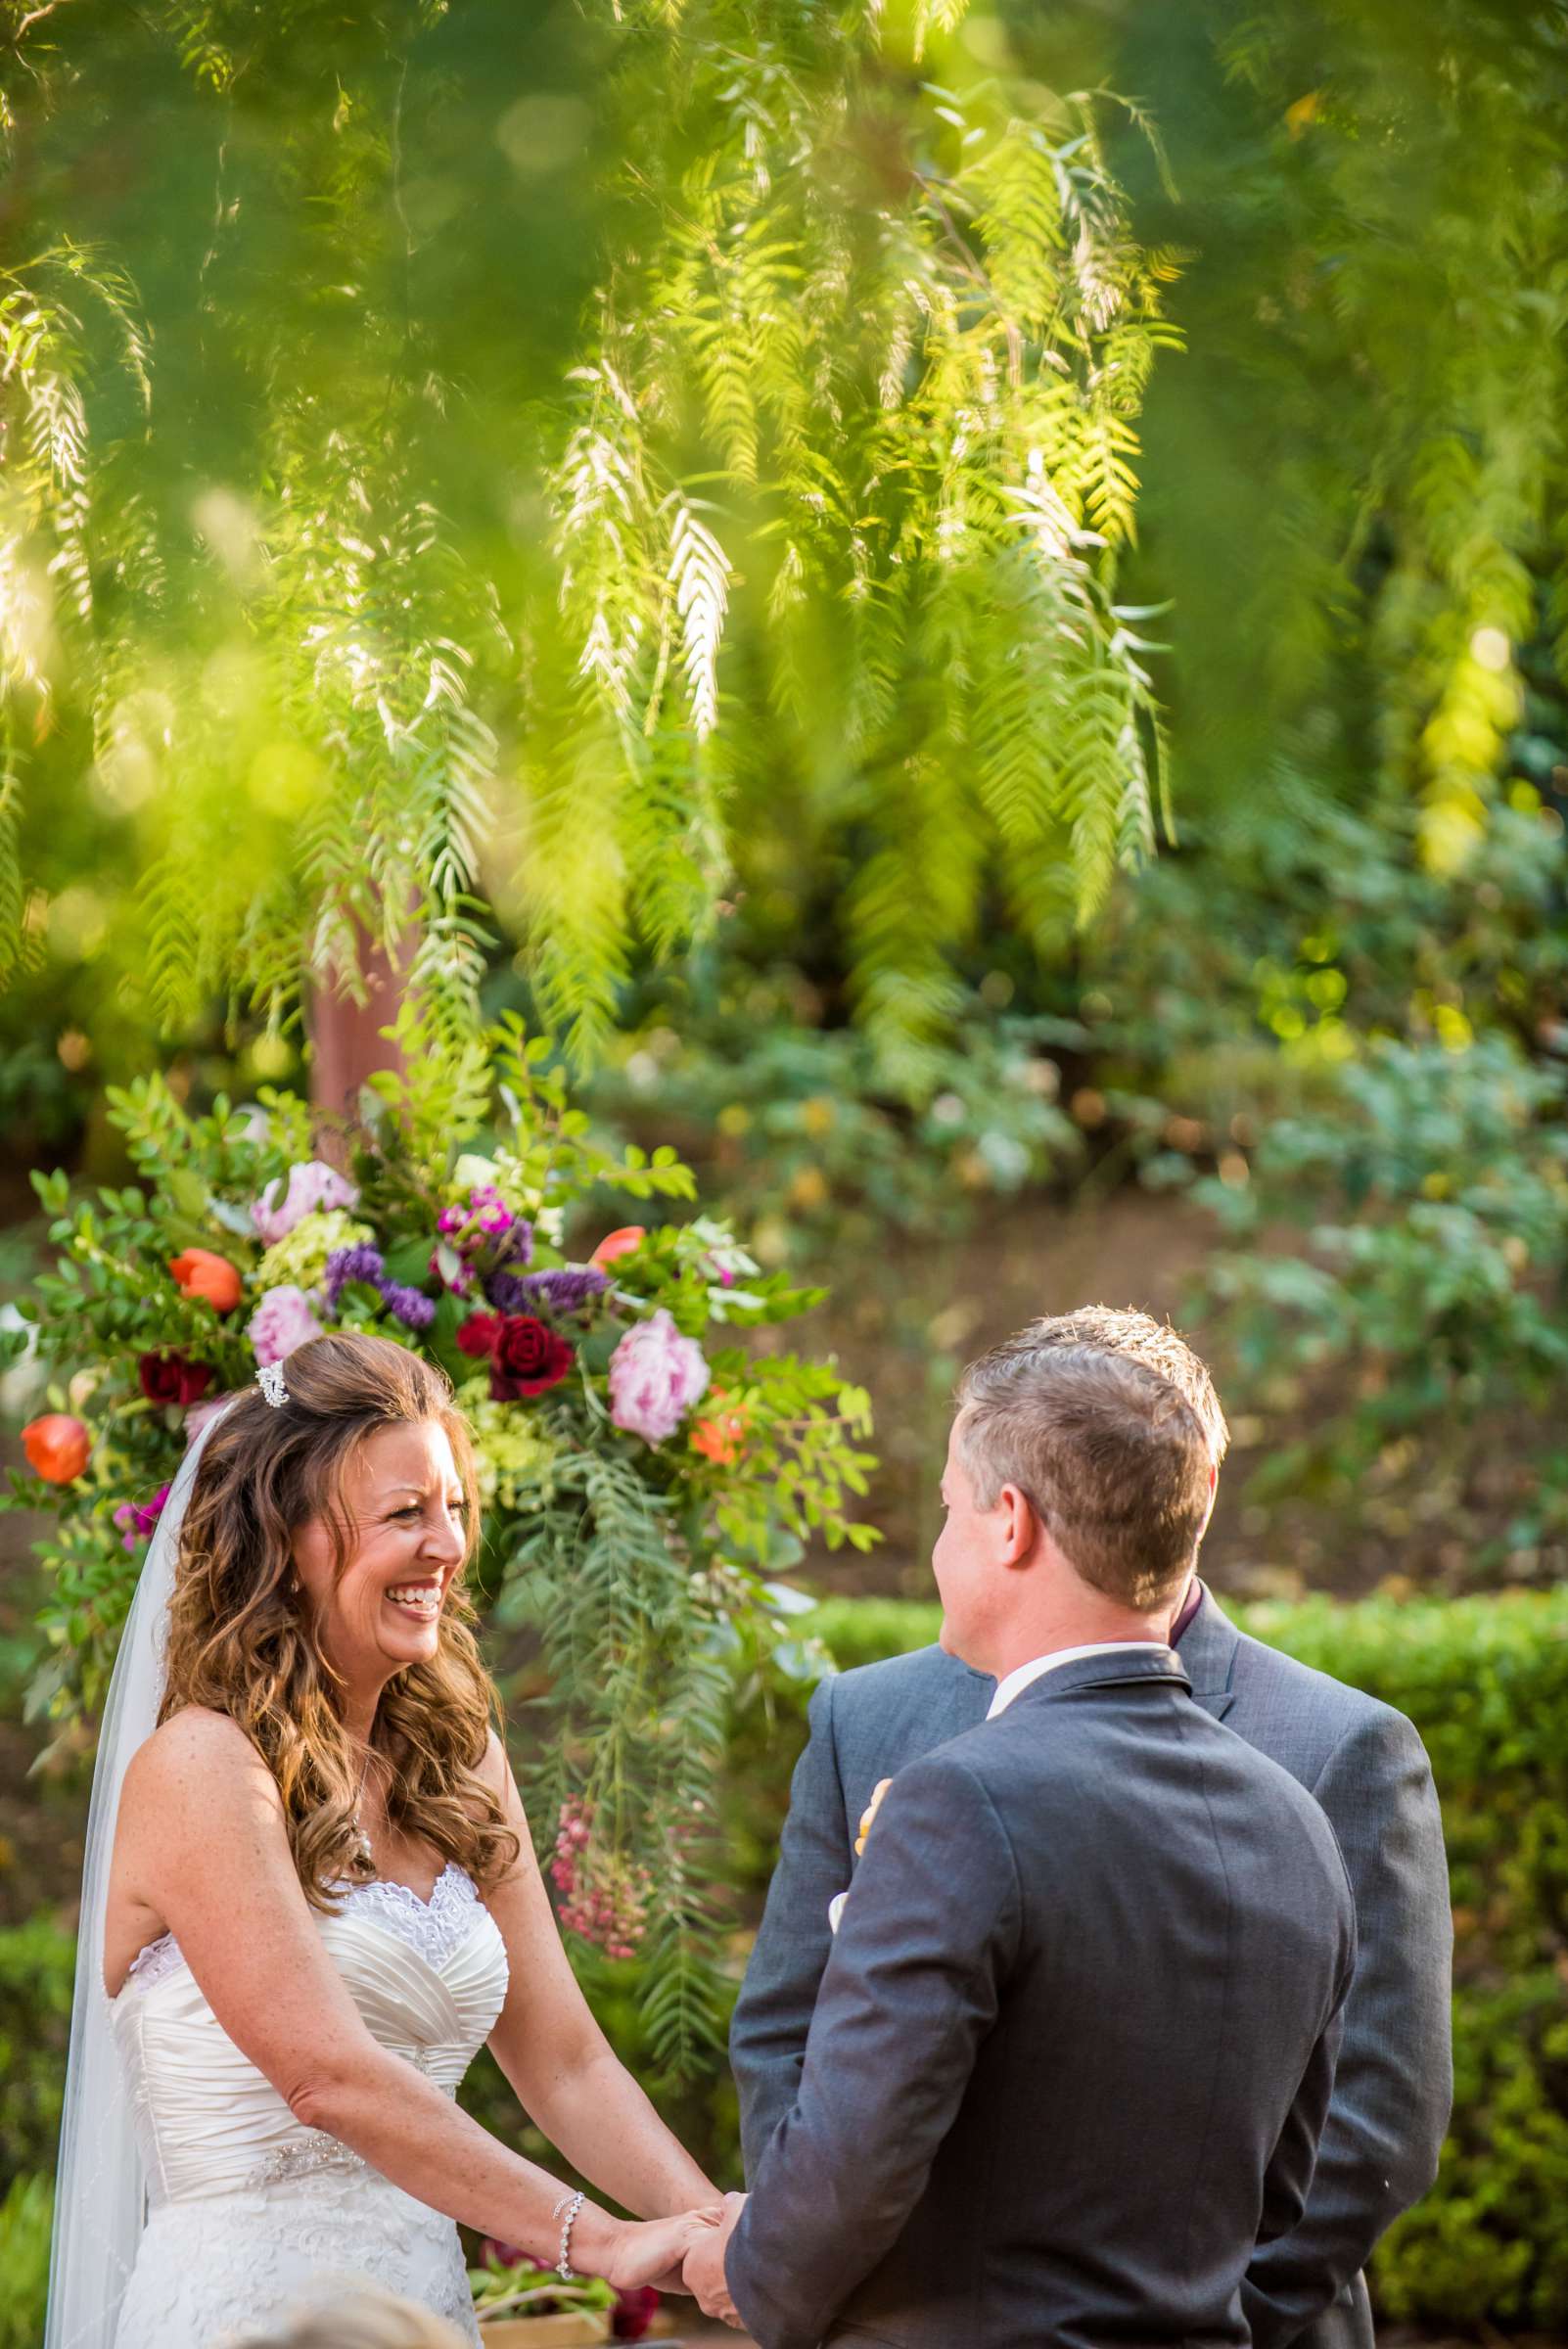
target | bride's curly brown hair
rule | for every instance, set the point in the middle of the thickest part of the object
(243, 1640)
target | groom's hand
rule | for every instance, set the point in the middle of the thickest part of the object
(705, 2266)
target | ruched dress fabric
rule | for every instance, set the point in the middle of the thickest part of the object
(252, 2215)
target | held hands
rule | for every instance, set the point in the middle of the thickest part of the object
(705, 2264)
(652, 2250)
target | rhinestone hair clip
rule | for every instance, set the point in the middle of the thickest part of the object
(270, 1380)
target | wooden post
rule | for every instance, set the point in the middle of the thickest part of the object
(346, 1045)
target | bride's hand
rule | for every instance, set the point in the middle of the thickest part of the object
(653, 2251)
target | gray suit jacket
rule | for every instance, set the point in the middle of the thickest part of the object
(1366, 1767)
(1074, 2043)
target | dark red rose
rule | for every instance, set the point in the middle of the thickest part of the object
(478, 1334)
(174, 1378)
(527, 1358)
(633, 2312)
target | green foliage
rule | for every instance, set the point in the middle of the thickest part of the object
(826, 508)
(898, 328)
(25, 2217)
(813, 1146)
(36, 1971)
(1432, 1185)
(1486, 2247)
(1356, 489)
(519, 2288)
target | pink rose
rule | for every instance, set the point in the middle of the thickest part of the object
(311, 1184)
(283, 1321)
(655, 1375)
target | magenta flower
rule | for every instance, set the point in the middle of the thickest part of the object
(136, 1519)
(655, 1375)
(310, 1186)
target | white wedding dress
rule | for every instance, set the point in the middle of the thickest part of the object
(250, 2214)
(190, 2207)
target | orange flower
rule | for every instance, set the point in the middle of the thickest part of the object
(200, 1274)
(722, 1437)
(56, 1446)
(623, 1242)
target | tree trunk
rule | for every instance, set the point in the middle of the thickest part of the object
(346, 1045)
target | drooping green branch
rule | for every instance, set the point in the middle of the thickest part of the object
(388, 618)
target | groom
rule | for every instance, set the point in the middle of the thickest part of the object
(1074, 2043)
(1365, 1765)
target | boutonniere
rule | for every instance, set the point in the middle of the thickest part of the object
(836, 1905)
(870, 1814)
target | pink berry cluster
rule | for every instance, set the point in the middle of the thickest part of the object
(602, 1897)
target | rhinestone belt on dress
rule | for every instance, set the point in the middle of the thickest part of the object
(316, 2149)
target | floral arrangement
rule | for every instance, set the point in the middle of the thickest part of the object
(646, 1470)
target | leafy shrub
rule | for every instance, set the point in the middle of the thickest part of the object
(37, 1965)
(25, 2217)
(1417, 1320)
(806, 1139)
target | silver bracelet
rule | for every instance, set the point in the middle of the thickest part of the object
(571, 2205)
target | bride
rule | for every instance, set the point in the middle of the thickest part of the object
(310, 1897)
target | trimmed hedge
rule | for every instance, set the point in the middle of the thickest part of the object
(1486, 1682)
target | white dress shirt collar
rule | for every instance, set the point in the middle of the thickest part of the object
(1023, 1675)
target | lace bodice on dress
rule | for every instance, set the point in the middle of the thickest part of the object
(248, 2211)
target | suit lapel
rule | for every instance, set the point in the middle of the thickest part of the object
(1208, 1649)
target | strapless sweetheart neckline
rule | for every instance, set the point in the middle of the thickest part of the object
(452, 1892)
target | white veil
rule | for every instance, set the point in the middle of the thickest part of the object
(100, 2193)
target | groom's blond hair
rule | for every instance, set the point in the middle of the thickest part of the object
(1115, 1457)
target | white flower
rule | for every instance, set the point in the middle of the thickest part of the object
(472, 1172)
(655, 1375)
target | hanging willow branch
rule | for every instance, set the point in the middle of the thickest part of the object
(829, 508)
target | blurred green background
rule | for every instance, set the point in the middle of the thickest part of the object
(290, 303)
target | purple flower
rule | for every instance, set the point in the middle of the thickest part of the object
(343, 1264)
(363, 1263)
(565, 1292)
(516, 1245)
(508, 1293)
(284, 1319)
(655, 1375)
(411, 1307)
(308, 1186)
